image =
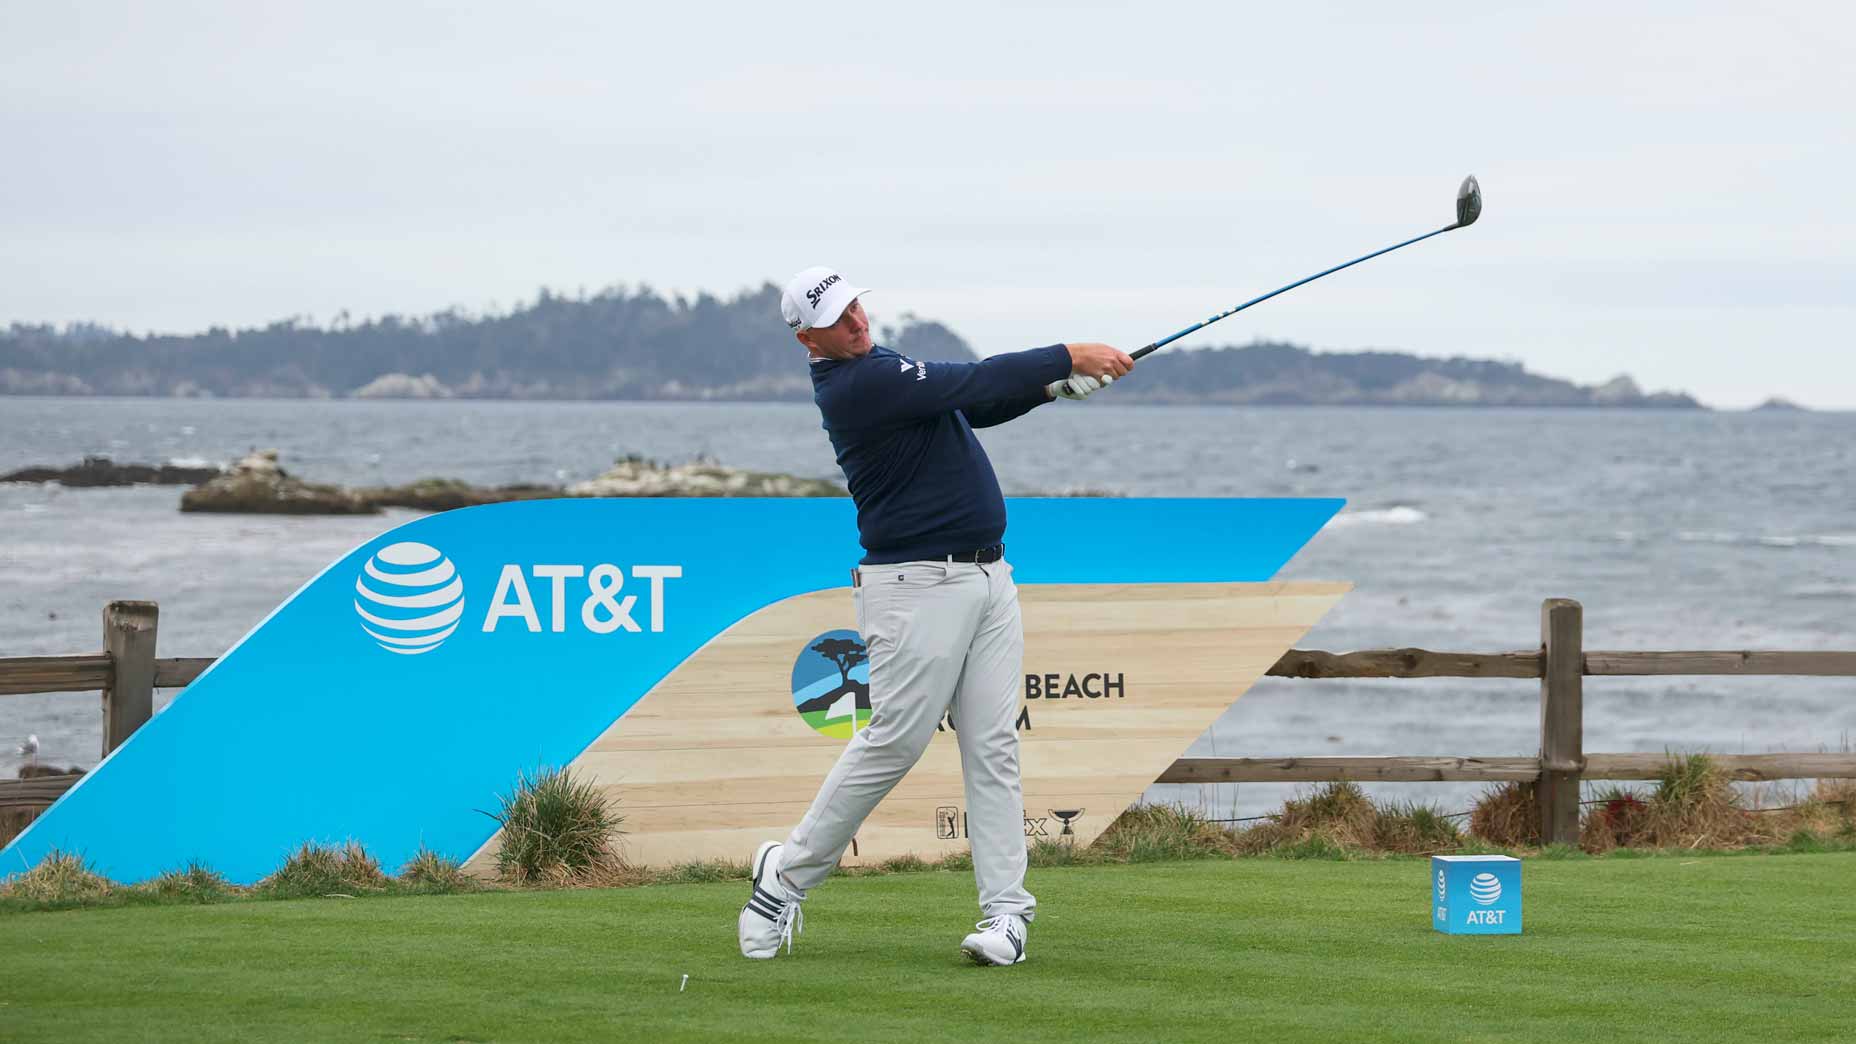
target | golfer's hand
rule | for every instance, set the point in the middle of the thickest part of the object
(1098, 361)
(1076, 387)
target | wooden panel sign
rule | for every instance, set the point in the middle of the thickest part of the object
(1121, 678)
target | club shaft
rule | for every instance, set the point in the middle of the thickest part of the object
(1137, 353)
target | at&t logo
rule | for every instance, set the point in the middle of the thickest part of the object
(409, 597)
(1485, 889)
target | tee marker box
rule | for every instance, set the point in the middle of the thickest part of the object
(1476, 895)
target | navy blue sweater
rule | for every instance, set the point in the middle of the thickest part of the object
(903, 431)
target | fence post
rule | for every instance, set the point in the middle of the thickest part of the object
(129, 639)
(1562, 733)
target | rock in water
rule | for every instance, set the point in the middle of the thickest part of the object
(102, 471)
(637, 477)
(259, 485)
(440, 494)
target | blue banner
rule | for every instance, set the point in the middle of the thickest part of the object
(399, 692)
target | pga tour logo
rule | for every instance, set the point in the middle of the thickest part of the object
(410, 598)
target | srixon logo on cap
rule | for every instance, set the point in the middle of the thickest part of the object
(813, 295)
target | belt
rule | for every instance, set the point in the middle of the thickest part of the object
(979, 555)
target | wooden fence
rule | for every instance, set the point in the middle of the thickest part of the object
(127, 672)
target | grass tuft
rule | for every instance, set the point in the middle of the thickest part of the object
(558, 829)
(194, 883)
(705, 871)
(324, 870)
(1150, 833)
(1315, 846)
(60, 879)
(431, 873)
(908, 863)
(1414, 829)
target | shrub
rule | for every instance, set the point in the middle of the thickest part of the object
(1838, 800)
(1333, 816)
(1695, 806)
(559, 830)
(324, 870)
(1618, 818)
(1507, 815)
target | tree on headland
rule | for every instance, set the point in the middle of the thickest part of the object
(846, 653)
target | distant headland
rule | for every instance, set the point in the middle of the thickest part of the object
(635, 344)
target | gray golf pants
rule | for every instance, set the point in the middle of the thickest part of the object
(943, 637)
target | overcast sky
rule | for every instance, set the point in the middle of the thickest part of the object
(1668, 185)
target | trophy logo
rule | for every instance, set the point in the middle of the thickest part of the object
(1066, 816)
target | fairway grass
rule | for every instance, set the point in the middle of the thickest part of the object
(1756, 947)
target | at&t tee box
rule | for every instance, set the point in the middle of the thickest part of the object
(1476, 895)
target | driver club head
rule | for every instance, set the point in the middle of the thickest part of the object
(1468, 202)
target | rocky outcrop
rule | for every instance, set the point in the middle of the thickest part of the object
(102, 471)
(635, 476)
(403, 386)
(442, 494)
(1779, 405)
(259, 485)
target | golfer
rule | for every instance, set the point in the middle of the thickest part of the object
(936, 604)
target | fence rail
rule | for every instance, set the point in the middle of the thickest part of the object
(128, 672)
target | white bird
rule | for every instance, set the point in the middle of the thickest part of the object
(30, 747)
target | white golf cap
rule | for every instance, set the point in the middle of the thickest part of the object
(816, 297)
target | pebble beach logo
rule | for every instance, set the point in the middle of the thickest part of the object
(831, 684)
(1485, 888)
(409, 597)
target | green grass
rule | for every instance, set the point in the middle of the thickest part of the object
(1666, 947)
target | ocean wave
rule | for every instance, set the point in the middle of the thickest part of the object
(1778, 540)
(190, 462)
(1836, 591)
(1397, 515)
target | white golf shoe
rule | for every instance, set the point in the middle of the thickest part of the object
(771, 915)
(1000, 940)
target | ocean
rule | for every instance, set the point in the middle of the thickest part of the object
(1676, 530)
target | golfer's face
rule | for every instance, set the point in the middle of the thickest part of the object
(847, 338)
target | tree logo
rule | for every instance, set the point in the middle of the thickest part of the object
(831, 684)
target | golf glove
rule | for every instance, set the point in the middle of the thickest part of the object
(1077, 387)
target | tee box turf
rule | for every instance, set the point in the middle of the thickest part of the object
(1476, 895)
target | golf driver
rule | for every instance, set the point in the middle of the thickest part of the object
(1468, 209)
